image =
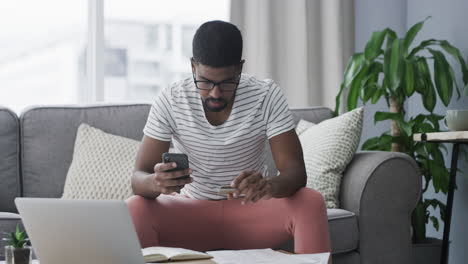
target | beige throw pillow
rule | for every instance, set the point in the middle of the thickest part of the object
(328, 147)
(102, 166)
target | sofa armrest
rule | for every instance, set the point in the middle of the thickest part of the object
(382, 189)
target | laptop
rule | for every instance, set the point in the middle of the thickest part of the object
(80, 231)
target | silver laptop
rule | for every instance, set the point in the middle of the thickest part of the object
(80, 231)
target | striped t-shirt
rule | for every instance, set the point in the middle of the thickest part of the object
(217, 154)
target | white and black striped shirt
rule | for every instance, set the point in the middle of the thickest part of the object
(217, 154)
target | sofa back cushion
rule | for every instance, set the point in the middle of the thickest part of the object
(49, 133)
(48, 137)
(9, 160)
(312, 114)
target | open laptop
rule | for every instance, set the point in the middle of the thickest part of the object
(80, 231)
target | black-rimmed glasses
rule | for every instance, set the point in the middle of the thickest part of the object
(224, 86)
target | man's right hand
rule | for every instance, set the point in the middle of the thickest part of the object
(166, 182)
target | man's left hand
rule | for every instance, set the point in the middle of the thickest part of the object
(253, 185)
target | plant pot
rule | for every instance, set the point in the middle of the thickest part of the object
(18, 255)
(427, 252)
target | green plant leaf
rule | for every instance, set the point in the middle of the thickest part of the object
(370, 84)
(418, 221)
(440, 176)
(442, 77)
(382, 143)
(458, 57)
(436, 204)
(409, 78)
(338, 100)
(411, 34)
(355, 64)
(369, 91)
(421, 46)
(371, 143)
(425, 86)
(406, 127)
(373, 46)
(353, 68)
(355, 87)
(425, 128)
(452, 75)
(449, 49)
(434, 119)
(391, 36)
(378, 93)
(435, 222)
(381, 116)
(436, 154)
(393, 58)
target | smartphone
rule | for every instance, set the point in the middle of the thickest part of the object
(180, 159)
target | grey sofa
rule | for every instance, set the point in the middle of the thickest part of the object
(378, 192)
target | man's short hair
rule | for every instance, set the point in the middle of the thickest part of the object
(217, 44)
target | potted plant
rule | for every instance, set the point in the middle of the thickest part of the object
(17, 250)
(389, 68)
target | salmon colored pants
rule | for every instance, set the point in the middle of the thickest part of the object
(203, 225)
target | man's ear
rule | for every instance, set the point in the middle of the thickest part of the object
(192, 63)
(241, 65)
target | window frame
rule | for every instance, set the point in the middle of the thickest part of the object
(94, 91)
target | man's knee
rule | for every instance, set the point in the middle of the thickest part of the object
(138, 205)
(309, 198)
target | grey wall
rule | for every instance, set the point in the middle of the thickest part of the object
(449, 21)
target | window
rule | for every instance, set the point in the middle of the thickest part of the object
(168, 36)
(188, 31)
(157, 37)
(41, 44)
(152, 32)
(146, 45)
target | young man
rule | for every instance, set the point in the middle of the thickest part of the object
(222, 119)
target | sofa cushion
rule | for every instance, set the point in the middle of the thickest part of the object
(312, 114)
(8, 222)
(344, 232)
(328, 147)
(48, 137)
(9, 160)
(102, 166)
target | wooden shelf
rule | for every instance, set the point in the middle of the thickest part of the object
(450, 136)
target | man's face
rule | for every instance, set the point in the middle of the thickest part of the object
(216, 99)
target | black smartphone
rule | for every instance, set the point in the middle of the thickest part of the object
(180, 159)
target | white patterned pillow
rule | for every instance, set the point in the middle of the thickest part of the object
(102, 166)
(302, 126)
(328, 147)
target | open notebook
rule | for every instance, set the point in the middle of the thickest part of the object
(158, 254)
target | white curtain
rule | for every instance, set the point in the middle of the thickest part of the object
(303, 45)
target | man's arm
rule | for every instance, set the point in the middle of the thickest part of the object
(287, 154)
(149, 154)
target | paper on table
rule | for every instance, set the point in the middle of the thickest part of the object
(264, 256)
(322, 257)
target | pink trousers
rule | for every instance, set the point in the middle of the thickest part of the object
(179, 221)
